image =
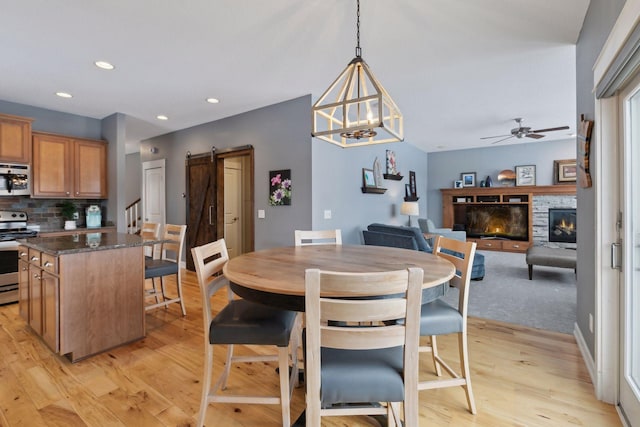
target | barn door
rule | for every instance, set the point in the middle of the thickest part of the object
(201, 202)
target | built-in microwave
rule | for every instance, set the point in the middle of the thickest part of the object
(14, 180)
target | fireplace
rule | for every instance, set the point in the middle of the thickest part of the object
(562, 225)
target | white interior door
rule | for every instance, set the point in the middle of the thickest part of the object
(153, 192)
(233, 206)
(629, 368)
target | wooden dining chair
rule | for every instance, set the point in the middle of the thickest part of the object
(150, 230)
(241, 322)
(318, 237)
(439, 318)
(348, 365)
(168, 264)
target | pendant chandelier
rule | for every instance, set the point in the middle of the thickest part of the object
(356, 109)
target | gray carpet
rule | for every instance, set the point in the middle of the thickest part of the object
(506, 294)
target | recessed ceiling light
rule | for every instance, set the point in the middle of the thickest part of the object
(162, 117)
(64, 95)
(104, 65)
(213, 100)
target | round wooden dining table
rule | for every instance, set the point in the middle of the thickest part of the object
(276, 276)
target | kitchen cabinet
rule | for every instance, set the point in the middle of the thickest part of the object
(50, 311)
(68, 167)
(35, 292)
(23, 286)
(15, 139)
(83, 300)
(39, 294)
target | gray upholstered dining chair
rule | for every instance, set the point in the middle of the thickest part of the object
(318, 237)
(242, 322)
(167, 265)
(439, 318)
(349, 364)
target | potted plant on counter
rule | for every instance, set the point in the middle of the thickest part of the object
(69, 212)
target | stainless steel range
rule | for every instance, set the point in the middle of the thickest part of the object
(13, 225)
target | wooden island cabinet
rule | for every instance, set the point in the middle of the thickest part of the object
(68, 167)
(83, 294)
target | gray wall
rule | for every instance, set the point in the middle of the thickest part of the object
(600, 18)
(114, 131)
(446, 167)
(324, 177)
(280, 135)
(132, 178)
(55, 121)
(337, 179)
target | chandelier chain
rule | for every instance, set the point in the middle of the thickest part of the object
(358, 50)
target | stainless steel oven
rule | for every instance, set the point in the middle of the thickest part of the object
(15, 180)
(13, 225)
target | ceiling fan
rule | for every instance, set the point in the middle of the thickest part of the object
(521, 131)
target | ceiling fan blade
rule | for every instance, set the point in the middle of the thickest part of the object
(550, 129)
(496, 136)
(503, 139)
(534, 136)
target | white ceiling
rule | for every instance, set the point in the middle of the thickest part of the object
(458, 69)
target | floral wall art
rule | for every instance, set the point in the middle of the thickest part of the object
(280, 187)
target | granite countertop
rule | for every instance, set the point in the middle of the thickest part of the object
(77, 243)
(43, 231)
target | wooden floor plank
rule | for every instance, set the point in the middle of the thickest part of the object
(521, 377)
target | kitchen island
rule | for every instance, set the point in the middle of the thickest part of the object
(83, 293)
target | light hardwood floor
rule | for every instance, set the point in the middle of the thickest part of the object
(521, 377)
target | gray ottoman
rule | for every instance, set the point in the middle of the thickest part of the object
(550, 257)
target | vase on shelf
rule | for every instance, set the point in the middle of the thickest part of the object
(488, 182)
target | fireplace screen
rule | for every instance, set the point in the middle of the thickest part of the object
(562, 225)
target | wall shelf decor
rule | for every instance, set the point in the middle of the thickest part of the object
(374, 190)
(369, 184)
(396, 177)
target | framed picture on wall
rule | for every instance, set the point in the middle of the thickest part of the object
(565, 171)
(525, 175)
(368, 178)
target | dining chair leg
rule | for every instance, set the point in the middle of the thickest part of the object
(179, 279)
(206, 383)
(162, 287)
(393, 414)
(285, 389)
(155, 291)
(227, 368)
(434, 355)
(466, 374)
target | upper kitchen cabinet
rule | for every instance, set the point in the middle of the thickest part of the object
(68, 167)
(15, 139)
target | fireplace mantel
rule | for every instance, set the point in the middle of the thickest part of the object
(456, 200)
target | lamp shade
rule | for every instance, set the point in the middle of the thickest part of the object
(410, 208)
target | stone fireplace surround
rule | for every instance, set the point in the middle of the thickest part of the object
(540, 212)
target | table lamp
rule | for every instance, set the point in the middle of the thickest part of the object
(409, 208)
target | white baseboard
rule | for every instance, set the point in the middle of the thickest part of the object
(586, 355)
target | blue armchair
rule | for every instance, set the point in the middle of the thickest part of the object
(411, 238)
(427, 226)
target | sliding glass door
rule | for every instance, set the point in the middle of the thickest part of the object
(629, 161)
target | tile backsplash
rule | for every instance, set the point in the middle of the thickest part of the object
(46, 212)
